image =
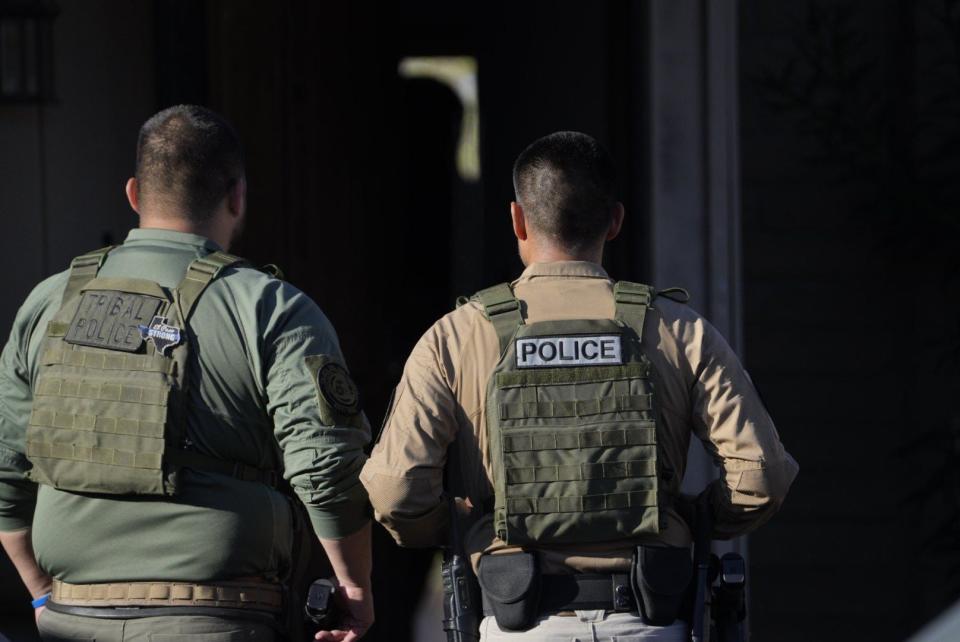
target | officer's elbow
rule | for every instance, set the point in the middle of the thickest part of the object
(753, 496)
(412, 513)
(762, 487)
(420, 531)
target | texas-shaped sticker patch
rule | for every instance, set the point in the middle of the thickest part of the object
(164, 336)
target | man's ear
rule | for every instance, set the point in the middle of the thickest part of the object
(519, 221)
(131, 190)
(616, 221)
(237, 198)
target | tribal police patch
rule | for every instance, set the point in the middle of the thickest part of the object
(111, 320)
(164, 336)
(338, 389)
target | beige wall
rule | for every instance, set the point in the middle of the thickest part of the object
(63, 165)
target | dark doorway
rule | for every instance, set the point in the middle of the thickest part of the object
(357, 188)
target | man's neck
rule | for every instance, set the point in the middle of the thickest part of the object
(553, 254)
(172, 224)
(178, 224)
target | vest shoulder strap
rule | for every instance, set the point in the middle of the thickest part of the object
(199, 275)
(84, 269)
(274, 270)
(632, 301)
(502, 308)
(678, 295)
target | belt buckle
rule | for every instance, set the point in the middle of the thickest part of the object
(622, 596)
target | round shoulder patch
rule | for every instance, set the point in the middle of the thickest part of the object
(338, 389)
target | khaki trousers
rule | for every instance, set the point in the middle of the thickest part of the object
(587, 626)
(60, 627)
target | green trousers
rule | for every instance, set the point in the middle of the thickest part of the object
(168, 628)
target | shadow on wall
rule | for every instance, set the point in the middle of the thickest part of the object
(851, 153)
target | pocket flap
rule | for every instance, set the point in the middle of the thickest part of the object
(507, 578)
(665, 570)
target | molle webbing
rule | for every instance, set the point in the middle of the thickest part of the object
(575, 408)
(103, 390)
(112, 421)
(92, 422)
(570, 375)
(573, 446)
(577, 456)
(642, 434)
(58, 355)
(582, 503)
(249, 595)
(581, 472)
(503, 310)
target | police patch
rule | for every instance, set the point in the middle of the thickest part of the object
(164, 336)
(338, 389)
(111, 320)
(577, 350)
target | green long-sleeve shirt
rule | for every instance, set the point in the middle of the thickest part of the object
(252, 394)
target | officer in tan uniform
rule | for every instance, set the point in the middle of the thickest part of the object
(151, 398)
(561, 406)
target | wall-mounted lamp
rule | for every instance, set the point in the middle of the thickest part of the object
(26, 50)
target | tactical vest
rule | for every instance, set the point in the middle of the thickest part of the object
(571, 424)
(109, 399)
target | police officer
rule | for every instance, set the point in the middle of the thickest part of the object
(154, 398)
(562, 405)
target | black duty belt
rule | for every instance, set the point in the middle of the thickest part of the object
(583, 592)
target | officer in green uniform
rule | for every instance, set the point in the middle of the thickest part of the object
(154, 399)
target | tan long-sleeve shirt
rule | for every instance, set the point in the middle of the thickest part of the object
(702, 390)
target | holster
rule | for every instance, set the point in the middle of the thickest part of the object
(510, 584)
(295, 582)
(660, 577)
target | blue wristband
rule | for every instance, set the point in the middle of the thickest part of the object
(40, 601)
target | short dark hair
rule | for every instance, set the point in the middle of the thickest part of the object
(189, 156)
(566, 184)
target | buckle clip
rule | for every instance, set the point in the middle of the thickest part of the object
(622, 593)
(502, 307)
